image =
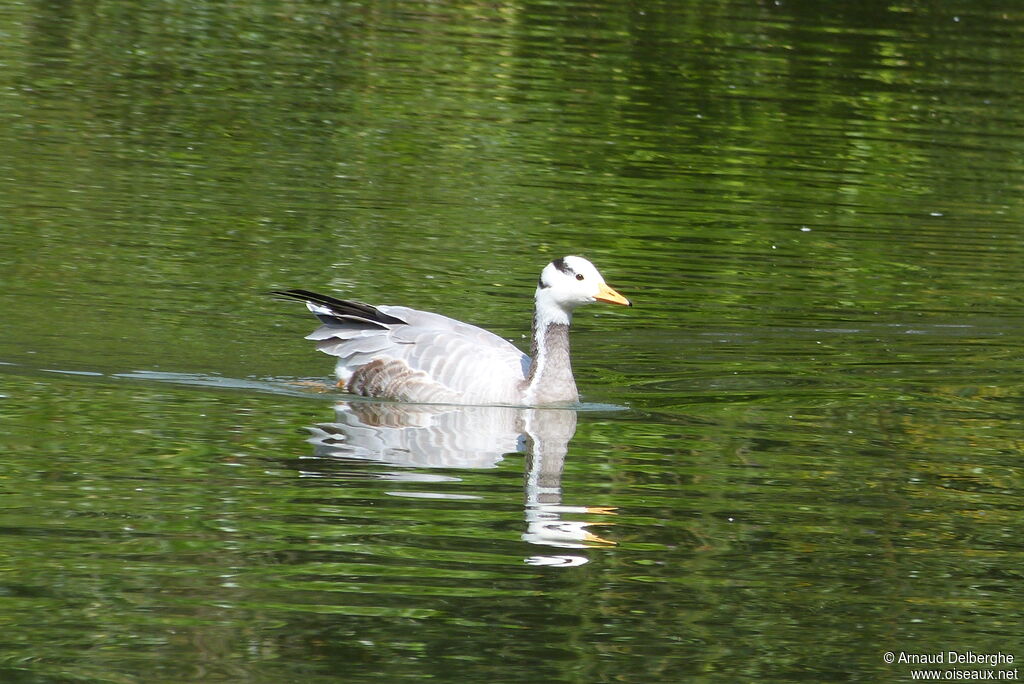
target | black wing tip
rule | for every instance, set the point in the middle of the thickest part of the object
(315, 297)
(297, 294)
(340, 307)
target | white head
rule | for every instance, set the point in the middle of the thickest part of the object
(569, 282)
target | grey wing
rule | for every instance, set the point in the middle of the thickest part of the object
(425, 357)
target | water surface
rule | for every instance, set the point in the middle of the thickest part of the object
(798, 451)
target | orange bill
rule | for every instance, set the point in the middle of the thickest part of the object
(607, 294)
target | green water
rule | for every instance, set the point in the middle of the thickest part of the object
(800, 450)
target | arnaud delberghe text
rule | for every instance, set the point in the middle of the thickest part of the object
(955, 658)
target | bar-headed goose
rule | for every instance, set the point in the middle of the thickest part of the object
(395, 352)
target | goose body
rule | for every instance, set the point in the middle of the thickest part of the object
(395, 352)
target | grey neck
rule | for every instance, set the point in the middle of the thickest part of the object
(550, 380)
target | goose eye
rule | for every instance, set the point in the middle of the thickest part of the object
(579, 276)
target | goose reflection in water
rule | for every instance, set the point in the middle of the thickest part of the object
(437, 436)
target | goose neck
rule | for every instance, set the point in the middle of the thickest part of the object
(550, 379)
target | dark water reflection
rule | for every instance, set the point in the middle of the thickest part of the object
(205, 519)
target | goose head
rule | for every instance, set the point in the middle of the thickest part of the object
(570, 282)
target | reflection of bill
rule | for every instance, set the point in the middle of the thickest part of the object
(548, 435)
(446, 436)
